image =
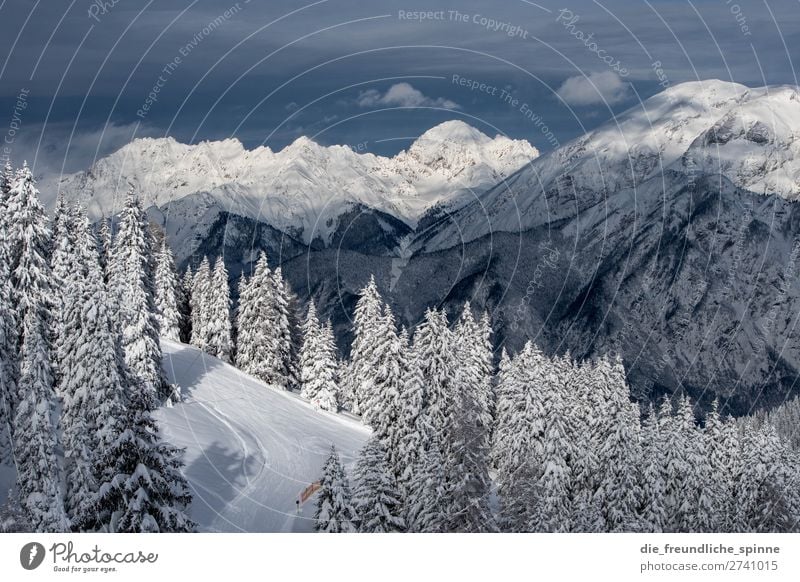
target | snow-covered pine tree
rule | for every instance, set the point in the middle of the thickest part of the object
(218, 325)
(652, 511)
(553, 510)
(335, 512)
(677, 500)
(201, 290)
(424, 504)
(34, 430)
(29, 241)
(587, 515)
(382, 378)
(91, 383)
(35, 436)
(132, 282)
(265, 339)
(619, 494)
(250, 336)
(63, 262)
(104, 245)
(184, 305)
(9, 365)
(468, 465)
(764, 499)
(366, 320)
(142, 488)
(406, 438)
(436, 356)
(519, 447)
(725, 462)
(318, 366)
(285, 374)
(167, 293)
(376, 497)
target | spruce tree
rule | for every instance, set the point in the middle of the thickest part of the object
(382, 378)
(406, 438)
(335, 512)
(471, 423)
(619, 493)
(133, 285)
(104, 245)
(142, 488)
(9, 365)
(63, 263)
(427, 492)
(167, 294)
(250, 336)
(285, 374)
(366, 320)
(91, 383)
(218, 325)
(184, 305)
(652, 511)
(35, 437)
(318, 367)
(376, 498)
(200, 304)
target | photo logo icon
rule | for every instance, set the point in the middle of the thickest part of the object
(31, 555)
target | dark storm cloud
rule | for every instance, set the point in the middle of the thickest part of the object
(270, 71)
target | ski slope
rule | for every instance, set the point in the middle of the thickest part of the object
(250, 449)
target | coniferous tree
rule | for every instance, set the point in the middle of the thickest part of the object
(142, 488)
(406, 438)
(518, 448)
(618, 494)
(104, 245)
(250, 343)
(366, 320)
(434, 345)
(35, 437)
(91, 383)
(167, 294)
(471, 424)
(218, 325)
(264, 348)
(285, 374)
(8, 354)
(335, 512)
(132, 281)
(382, 378)
(184, 305)
(318, 367)
(200, 307)
(653, 513)
(427, 489)
(376, 498)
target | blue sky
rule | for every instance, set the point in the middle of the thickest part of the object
(92, 75)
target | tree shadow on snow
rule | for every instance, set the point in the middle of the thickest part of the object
(217, 477)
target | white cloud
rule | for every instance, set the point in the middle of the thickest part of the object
(403, 95)
(605, 87)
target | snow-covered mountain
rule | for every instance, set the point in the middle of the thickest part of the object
(751, 136)
(250, 448)
(304, 188)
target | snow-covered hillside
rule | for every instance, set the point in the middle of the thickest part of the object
(250, 449)
(305, 187)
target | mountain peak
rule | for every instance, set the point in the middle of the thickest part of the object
(453, 130)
